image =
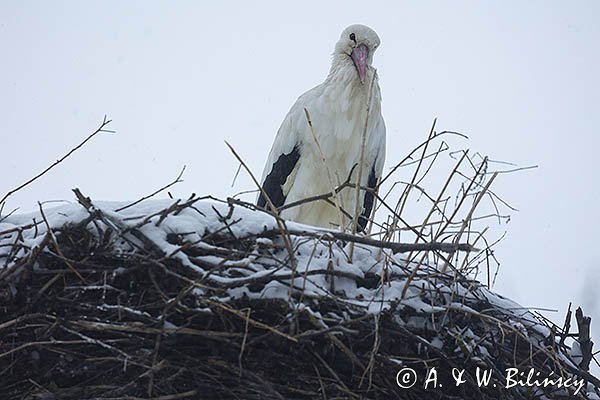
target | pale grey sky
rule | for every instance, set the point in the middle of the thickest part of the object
(178, 78)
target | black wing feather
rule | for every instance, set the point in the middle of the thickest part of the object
(272, 186)
(368, 201)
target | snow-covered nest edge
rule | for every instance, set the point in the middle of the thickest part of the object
(210, 298)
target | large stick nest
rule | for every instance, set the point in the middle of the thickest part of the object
(204, 299)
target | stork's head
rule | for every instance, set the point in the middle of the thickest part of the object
(358, 42)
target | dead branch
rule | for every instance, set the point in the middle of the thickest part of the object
(280, 222)
(394, 246)
(174, 182)
(104, 124)
(585, 344)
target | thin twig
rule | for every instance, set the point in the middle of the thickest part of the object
(105, 122)
(280, 223)
(50, 234)
(334, 192)
(174, 182)
(396, 247)
(361, 162)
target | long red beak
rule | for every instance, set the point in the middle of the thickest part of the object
(359, 56)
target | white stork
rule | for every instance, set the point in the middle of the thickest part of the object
(306, 162)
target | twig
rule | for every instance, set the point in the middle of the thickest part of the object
(50, 234)
(105, 122)
(324, 196)
(361, 161)
(280, 223)
(396, 247)
(243, 346)
(469, 216)
(425, 143)
(335, 375)
(247, 319)
(336, 199)
(402, 201)
(566, 326)
(437, 200)
(174, 182)
(118, 226)
(585, 344)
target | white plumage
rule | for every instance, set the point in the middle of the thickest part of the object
(338, 107)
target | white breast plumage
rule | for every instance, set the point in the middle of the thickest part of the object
(306, 162)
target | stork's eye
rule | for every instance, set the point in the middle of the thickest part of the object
(353, 37)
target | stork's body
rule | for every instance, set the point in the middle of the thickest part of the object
(295, 169)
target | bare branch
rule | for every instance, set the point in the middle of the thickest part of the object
(104, 124)
(394, 246)
(174, 182)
